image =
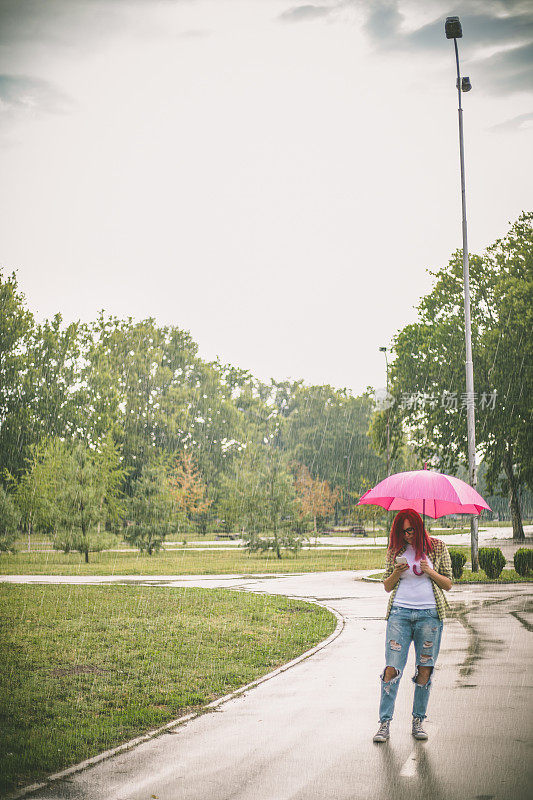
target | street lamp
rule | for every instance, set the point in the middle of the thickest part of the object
(384, 350)
(454, 31)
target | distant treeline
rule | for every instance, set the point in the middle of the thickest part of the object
(118, 426)
(96, 417)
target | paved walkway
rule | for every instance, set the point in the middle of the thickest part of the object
(306, 733)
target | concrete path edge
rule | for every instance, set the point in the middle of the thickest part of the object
(89, 762)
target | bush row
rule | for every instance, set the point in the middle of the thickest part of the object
(492, 561)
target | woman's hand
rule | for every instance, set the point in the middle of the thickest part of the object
(440, 580)
(390, 582)
(398, 569)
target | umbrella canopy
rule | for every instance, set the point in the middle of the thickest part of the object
(427, 492)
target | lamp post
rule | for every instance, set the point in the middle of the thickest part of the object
(454, 31)
(384, 350)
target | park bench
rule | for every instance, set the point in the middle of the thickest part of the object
(226, 536)
(358, 530)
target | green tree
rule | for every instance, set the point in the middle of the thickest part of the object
(151, 512)
(326, 429)
(9, 520)
(39, 379)
(79, 502)
(33, 493)
(112, 474)
(261, 496)
(428, 375)
(16, 324)
(70, 490)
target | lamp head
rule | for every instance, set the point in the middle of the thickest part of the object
(465, 84)
(382, 349)
(453, 29)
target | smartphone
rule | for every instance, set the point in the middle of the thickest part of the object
(401, 560)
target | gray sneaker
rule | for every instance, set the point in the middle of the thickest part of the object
(418, 732)
(383, 732)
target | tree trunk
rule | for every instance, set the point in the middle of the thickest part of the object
(86, 556)
(514, 499)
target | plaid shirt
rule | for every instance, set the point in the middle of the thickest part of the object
(441, 563)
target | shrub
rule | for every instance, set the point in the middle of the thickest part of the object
(458, 561)
(491, 561)
(523, 560)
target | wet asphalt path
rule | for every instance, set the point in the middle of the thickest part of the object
(306, 734)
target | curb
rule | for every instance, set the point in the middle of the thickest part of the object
(145, 737)
(373, 580)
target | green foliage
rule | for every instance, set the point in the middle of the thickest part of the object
(428, 374)
(82, 487)
(491, 561)
(70, 489)
(9, 520)
(270, 507)
(523, 560)
(259, 496)
(151, 513)
(16, 324)
(103, 401)
(326, 429)
(458, 559)
(277, 542)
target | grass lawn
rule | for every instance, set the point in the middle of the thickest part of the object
(183, 562)
(84, 668)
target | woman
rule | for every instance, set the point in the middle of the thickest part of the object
(418, 568)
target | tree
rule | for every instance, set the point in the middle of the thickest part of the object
(16, 324)
(367, 513)
(326, 429)
(32, 494)
(187, 486)
(260, 495)
(151, 509)
(316, 497)
(108, 463)
(70, 489)
(80, 507)
(9, 520)
(428, 375)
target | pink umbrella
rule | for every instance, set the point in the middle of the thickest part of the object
(427, 492)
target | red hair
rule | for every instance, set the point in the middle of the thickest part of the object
(422, 543)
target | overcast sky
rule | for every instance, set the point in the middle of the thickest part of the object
(275, 177)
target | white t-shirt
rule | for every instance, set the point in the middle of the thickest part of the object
(415, 590)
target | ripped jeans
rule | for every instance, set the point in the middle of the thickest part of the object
(405, 625)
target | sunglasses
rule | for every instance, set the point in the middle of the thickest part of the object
(409, 531)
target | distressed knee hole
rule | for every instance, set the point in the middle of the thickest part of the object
(388, 683)
(424, 658)
(425, 684)
(394, 645)
(428, 644)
